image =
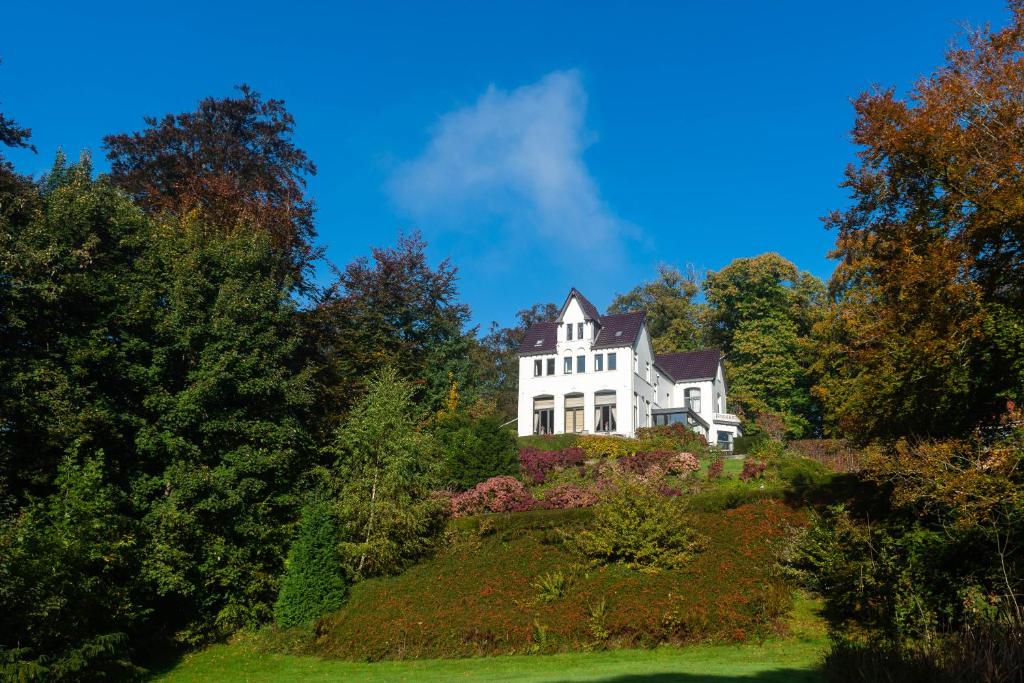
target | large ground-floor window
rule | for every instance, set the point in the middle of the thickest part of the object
(544, 415)
(573, 413)
(604, 411)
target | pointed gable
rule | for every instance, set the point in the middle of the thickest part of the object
(589, 309)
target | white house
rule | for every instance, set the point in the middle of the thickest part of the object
(590, 373)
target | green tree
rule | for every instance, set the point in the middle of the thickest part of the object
(388, 470)
(761, 312)
(673, 317)
(314, 582)
(475, 449)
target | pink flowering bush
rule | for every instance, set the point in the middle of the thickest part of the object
(682, 464)
(537, 464)
(715, 468)
(650, 465)
(497, 494)
(566, 496)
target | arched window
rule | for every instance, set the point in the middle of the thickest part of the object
(604, 411)
(544, 415)
(573, 413)
(693, 399)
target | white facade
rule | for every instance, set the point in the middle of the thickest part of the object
(590, 383)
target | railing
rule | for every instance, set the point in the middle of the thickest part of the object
(726, 417)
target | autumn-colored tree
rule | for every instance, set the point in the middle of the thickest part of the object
(673, 317)
(233, 160)
(926, 336)
(760, 312)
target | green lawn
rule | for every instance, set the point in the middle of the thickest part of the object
(793, 659)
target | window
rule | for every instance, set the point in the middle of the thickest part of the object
(647, 372)
(598, 362)
(579, 330)
(568, 332)
(725, 441)
(573, 413)
(536, 367)
(551, 366)
(581, 363)
(635, 415)
(567, 365)
(544, 415)
(611, 361)
(636, 363)
(692, 398)
(604, 411)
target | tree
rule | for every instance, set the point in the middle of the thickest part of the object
(388, 470)
(673, 318)
(924, 337)
(233, 161)
(761, 312)
(475, 449)
(314, 582)
(394, 311)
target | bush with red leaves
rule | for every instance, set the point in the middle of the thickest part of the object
(752, 470)
(567, 496)
(537, 464)
(497, 494)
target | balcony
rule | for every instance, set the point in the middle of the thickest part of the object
(726, 418)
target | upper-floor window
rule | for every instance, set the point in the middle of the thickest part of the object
(647, 372)
(567, 365)
(581, 363)
(579, 330)
(551, 366)
(692, 397)
(636, 363)
(598, 362)
(568, 331)
(611, 361)
(537, 364)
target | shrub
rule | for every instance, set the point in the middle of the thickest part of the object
(475, 449)
(746, 444)
(635, 526)
(835, 454)
(313, 583)
(497, 494)
(682, 464)
(752, 469)
(607, 446)
(715, 468)
(537, 464)
(673, 437)
(549, 442)
(550, 586)
(568, 496)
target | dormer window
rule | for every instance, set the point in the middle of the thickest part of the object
(568, 332)
(539, 342)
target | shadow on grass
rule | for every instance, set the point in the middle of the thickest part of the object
(774, 676)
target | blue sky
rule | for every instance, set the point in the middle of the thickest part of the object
(539, 145)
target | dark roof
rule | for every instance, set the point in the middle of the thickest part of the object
(588, 308)
(539, 338)
(690, 365)
(619, 330)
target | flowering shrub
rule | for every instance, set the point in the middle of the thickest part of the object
(674, 437)
(607, 446)
(497, 494)
(650, 465)
(682, 464)
(537, 464)
(752, 470)
(715, 468)
(566, 496)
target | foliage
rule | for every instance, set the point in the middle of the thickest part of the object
(549, 442)
(673, 437)
(232, 161)
(673, 318)
(536, 465)
(836, 454)
(752, 469)
(610, 447)
(313, 582)
(387, 470)
(637, 527)
(398, 311)
(498, 494)
(475, 597)
(761, 312)
(924, 338)
(551, 586)
(68, 560)
(715, 468)
(568, 496)
(475, 449)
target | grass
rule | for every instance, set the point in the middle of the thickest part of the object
(794, 658)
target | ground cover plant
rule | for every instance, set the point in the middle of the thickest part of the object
(478, 596)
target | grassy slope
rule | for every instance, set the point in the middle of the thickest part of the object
(793, 659)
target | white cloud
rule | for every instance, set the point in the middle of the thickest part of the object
(514, 157)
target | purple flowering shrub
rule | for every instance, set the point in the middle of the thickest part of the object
(497, 494)
(536, 464)
(566, 496)
(752, 470)
(715, 468)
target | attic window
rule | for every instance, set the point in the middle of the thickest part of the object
(618, 333)
(538, 342)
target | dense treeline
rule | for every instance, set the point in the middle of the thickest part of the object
(182, 407)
